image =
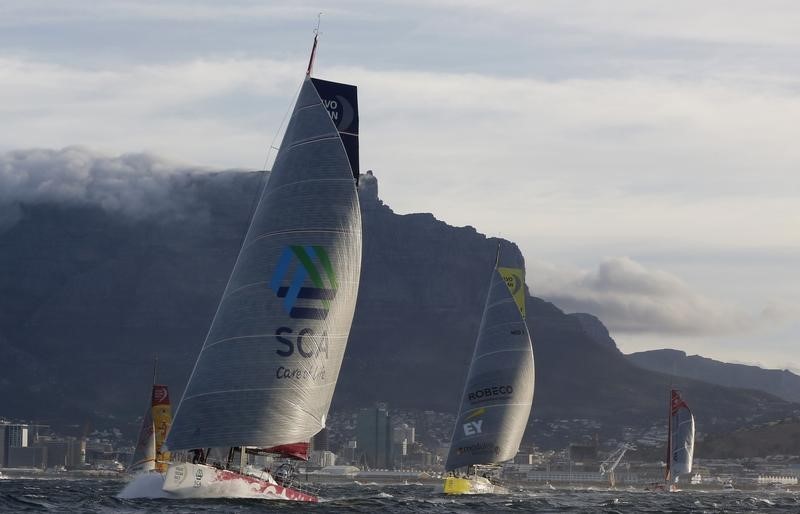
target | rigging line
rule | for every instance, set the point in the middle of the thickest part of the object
(283, 122)
(262, 183)
(319, 20)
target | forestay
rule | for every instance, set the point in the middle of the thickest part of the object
(269, 364)
(497, 399)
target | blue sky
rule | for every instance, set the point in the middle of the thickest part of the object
(643, 154)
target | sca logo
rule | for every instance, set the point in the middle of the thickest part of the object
(303, 301)
(300, 300)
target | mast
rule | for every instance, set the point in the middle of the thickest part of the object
(314, 47)
(668, 476)
(161, 416)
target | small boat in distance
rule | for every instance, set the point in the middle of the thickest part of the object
(148, 455)
(498, 393)
(264, 379)
(680, 440)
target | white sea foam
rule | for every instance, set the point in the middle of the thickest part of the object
(365, 484)
(145, 485)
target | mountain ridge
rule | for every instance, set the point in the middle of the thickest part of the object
(89, 296)
(781, 383)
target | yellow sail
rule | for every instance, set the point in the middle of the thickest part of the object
(162, 419)
(515, 280)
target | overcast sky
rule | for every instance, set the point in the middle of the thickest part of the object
(644, 155)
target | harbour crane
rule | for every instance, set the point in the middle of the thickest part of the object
(608, 466)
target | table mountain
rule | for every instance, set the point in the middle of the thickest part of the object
(88, 295)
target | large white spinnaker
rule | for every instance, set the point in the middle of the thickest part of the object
(266, 374)
(498, 395)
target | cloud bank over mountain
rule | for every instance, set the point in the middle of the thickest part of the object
(138, 185)
(631, 298)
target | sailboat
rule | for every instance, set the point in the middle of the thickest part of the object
(680, 440)
(264, 379)
(148, 454)
(498, 394)
(144, 455)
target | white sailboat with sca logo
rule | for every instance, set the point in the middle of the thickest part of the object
(498, 395)
(264, 379)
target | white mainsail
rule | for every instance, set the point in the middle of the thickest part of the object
(681, 437)
(266, 374)
(498, 395)
(144, 455)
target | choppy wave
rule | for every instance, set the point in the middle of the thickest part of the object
(143, 494)
(145, 485)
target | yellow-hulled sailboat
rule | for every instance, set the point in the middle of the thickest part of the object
(498, 394)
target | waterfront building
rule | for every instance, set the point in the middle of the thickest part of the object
(373, 436)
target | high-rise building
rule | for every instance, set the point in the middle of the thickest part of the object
(3, 451)
(11, 436)
(320, 441)
(17, 436)
(69, 453)
(405, 433)
(27, 457)
(402, 439)
(374, 436)
(322, 458)
(350, 452)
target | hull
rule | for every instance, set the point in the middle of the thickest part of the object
(186, 480)
(472, 485)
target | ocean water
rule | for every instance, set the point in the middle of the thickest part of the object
(101, 495)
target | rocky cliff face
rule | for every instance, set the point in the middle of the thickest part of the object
(594, 328)
(87, 297)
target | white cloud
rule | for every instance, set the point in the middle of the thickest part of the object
(723, 21)
(630, 298)
(576, 129)
(137, 185)
(192, 111)
(561, 163)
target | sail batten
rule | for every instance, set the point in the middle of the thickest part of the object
(323, 385)
(498, 394)
(498, 351)
(266, 373)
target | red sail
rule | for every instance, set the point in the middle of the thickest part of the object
(677, 402)
(160, 395)
(297, 451)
